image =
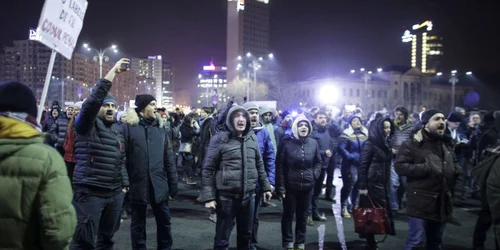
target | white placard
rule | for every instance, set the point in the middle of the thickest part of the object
(60, 24)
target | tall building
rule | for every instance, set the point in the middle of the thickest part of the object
(426, 47)
(150, 67)
(167, 85)
(26, 61)
(212, 86)
(247, 31)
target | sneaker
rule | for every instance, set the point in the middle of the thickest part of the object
(213, 218)
(318, 217)
(310, 221)
(346, 213)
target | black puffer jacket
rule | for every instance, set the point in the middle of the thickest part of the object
(233, 165)
(99, 148)
(298, 162)
(374, 173)
(325, 142)
(58, 132)
(150, 159)
(431, 169)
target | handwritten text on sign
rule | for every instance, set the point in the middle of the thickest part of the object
(60, 24)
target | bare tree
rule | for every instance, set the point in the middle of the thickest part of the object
(238, 89)
(285, 94)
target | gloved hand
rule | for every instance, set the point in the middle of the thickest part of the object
(172, 191)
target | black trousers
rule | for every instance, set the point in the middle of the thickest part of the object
(229, 209)
(295, 203)
(161, 212)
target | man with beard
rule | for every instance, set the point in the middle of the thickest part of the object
(267, 122)
(232, 167)
(430, 166)
(285, 128)
(100, 178)
(321, 134)
(151, 169)
(268, 156)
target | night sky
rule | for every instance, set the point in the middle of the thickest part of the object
(308, 37)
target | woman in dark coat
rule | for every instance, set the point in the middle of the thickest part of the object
(375, 171)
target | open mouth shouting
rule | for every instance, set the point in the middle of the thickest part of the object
(240, 125)
(303, 129)
(109, 115)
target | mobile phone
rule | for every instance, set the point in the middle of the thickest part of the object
(124, 67)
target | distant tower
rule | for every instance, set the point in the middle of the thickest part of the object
(426, 47)
(247, 31)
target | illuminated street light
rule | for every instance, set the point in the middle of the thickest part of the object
(100, 57)
(199, 76)
(239, 58)
(249, 54)
(271, 55)
(469, 73)
(439, 73)
(453, 71)
(260, 58)
(379, 70)
(362, 69)
(353, 71)
(369, 72)
(328, 94)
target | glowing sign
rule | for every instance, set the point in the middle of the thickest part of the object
(263, 1)
(211, 67)
(33, 35)
(426, 23)
(241, 5)
(407, 37)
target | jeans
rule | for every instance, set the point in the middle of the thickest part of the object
(330, 174)
(349, 179)
(229, 209)
(317, 191)
(96, 216)
(259, 194)
(161, 212)
(295, 203)
(393, 195)
(188, 164)
(483, 223)
(422, 230)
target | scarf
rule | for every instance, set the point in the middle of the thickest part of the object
(14, 128)
(69, 142)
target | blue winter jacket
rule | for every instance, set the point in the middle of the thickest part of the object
(350, 144)
(267, 152)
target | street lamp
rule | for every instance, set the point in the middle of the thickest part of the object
(353, 71)
(379, 70)
(469, 73)
(100, 57)
(255, 65)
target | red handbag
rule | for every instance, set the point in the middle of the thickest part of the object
(371, 220)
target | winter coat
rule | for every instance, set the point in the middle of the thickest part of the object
(350, 146)
(58, 132)
(486, 135)
(233, 165)
(267, 152)
(491, 185)
(35, 210)
(207, 130)
(298, 162)
(322, 136)
(150, 159)
(280, 132)
(401, 134)
(374, 173)
(268, 126)
(431, 169)
(188, 136)
(99, 149)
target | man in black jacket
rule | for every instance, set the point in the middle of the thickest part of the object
(100, 178)
(430, 166)
(321, 134)
(151, 169)
(231, 169)
(59, 127)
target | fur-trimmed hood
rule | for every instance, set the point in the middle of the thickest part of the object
(131, 117)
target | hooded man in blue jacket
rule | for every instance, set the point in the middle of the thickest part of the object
(268, 156)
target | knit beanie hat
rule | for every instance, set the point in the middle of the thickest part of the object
(455, 117)
(109, 98)
(141, 101)
(426, 116)
(250, 105)
(18, 101)
(285, 114)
